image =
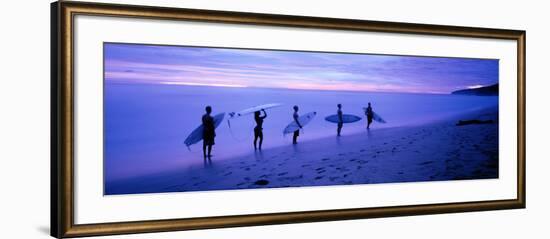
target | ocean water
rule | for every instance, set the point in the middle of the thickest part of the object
(145, 125)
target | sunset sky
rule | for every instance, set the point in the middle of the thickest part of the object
(223, 67)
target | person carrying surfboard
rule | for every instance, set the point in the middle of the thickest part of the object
(296, 132)
(208, 133)
(340, 120)
(370, 114)
(258, 130)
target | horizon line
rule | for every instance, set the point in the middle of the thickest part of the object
(283, 88)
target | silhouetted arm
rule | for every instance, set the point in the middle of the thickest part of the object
(265, 114)
(369, 112)
(297, 122)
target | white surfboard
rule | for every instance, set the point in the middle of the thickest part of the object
(253, 109)
(304, 120)
(375, 116)
(196, 135)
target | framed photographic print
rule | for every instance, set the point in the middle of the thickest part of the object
(170, 119)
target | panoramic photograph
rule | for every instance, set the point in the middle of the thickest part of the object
(190, 118)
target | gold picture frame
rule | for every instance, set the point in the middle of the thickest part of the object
(62, 102)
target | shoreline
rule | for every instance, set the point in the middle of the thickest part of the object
(117, 82)
(435, 151)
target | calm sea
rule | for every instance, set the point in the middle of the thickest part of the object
(145, 125)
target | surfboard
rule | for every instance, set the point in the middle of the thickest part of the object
(346, 118)
(375, 116)
(253, 109)
(196, 135)
(303, 119)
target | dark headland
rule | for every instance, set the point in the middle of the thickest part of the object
(481, 91)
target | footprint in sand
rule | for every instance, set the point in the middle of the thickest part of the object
(261, 182)
(292, 178)
(321, 171)
(227, 174)
(362, 150)
(427, 162)
(282, 174)
(325, 159)
(321, 168)
(319, 177)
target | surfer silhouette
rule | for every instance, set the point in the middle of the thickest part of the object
(209, 133)
(297, 132)
(340, 120)
(370, 114)
(258, 130)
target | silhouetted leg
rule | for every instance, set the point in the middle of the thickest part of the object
(204, 149)
(255, 140)
(261, 136)
(295, 137)
(339, 129)
(209, 151)
(369, 122)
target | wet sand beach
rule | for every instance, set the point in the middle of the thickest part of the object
(434, 151)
